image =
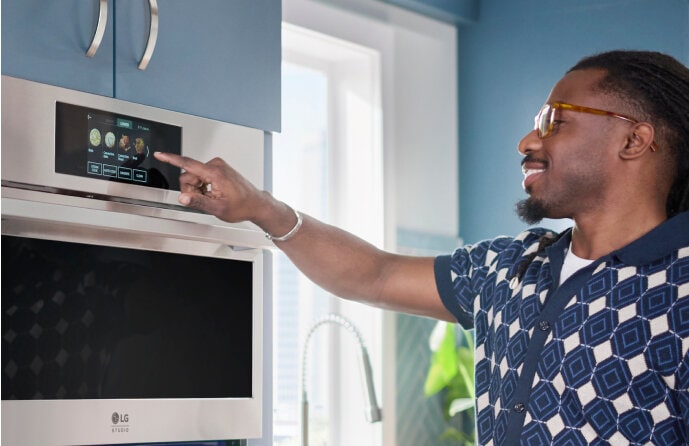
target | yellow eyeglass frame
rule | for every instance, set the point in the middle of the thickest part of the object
(544, 121)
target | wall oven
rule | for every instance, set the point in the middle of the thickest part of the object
(125, 317)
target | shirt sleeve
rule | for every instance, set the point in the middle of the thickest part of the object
(466, 274)
(460, 277)
(443, 281)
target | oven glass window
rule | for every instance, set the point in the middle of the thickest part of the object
(83, 321)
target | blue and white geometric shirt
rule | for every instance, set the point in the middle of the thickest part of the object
(601, 359)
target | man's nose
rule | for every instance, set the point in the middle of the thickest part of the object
(529, 143)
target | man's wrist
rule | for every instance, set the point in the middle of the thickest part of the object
(289, 234)
(276, 218)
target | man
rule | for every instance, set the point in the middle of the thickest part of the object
(581, 337)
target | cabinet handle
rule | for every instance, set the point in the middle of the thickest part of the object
(152, 35)
(100, 28)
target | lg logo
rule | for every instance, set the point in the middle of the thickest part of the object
(119, 418)
(119, 422)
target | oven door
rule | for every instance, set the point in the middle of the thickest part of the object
(120, 327)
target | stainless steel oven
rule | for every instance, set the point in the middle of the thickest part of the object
(126, 317)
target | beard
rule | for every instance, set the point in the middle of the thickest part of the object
(531, 210)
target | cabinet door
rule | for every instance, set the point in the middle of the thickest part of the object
(218, 59)
(46, 41)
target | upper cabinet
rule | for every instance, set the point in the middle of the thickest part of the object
(219, 59)
(47, 42)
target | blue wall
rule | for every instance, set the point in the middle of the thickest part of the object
(509, 59)
(451, 11)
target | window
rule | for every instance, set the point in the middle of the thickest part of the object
(327, 162)
(412, 60)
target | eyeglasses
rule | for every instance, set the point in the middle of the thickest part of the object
(544, 122)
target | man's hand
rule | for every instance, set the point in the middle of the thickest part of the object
(216, 188)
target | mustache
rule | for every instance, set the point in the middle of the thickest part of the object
(532, 159)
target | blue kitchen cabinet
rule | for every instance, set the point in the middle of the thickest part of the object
(218, 59)
(46, 41)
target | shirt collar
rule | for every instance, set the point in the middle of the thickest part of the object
(556, 253)
(659, 242)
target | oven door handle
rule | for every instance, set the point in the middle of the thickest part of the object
(100, 28)
(152, 34)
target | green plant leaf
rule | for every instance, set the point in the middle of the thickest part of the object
(465, 368)
(451, 371)
(460, 405)
(444, 363)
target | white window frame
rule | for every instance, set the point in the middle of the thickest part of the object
(419, 98)
(355, 185)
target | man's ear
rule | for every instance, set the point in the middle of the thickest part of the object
(639, 141)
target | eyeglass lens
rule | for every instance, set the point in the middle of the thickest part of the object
(542, 121)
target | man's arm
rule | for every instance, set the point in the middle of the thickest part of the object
(336, 260)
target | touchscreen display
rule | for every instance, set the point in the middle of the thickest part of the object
(114, 147)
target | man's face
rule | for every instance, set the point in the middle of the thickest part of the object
(569, 172)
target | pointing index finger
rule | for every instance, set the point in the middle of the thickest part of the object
(188, 164)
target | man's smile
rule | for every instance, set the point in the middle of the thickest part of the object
(532, 168)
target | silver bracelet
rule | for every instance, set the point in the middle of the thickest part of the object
(291, 232)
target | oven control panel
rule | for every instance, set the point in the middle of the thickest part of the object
(67, 144)
(114, 147)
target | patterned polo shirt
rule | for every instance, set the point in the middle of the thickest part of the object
(600, 359)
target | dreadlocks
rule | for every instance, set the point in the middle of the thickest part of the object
(656, 87)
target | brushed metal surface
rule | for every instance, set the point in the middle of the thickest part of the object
(152, 35)
(28, 148)
(100, 28)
